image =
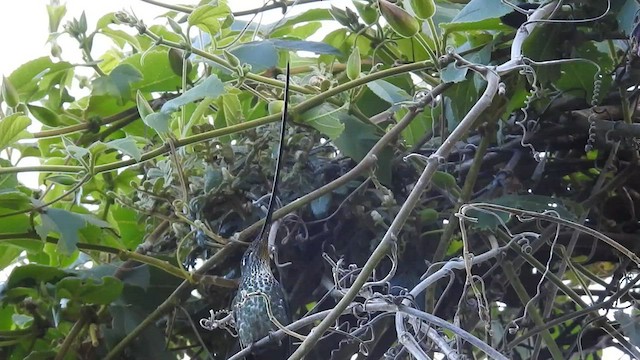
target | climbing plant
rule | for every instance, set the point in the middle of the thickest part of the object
(458, 177)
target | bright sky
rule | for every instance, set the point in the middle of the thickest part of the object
(24, 23)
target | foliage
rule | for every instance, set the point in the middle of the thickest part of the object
(444, 145)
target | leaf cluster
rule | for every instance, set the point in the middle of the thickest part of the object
(152, 174)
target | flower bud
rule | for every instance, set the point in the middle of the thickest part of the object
(424, 9)
(353, 64)
(400, 21)
(56, 50)
(176, 61)
(339, 15)
(275, 107)
(231, 59)
(9, 93)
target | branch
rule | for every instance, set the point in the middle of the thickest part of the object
(208, 135)
(390, 236)
(226, 251)
(533, 311)
(121, 253)
(276, 5)
(523, 33)
(553, 219)
(491, 352)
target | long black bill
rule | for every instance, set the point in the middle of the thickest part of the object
(276, 174)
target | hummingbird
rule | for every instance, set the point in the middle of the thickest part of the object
(260, 298)
(259, 295)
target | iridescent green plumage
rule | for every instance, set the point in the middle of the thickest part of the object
(250, 306)
(260, 300)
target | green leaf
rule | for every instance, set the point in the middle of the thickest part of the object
(428, 216)
(583, 74)
(212, 178)
(211, 87)
(23, 75)
(208, 17)
(144, 109)
(443, 180)
(367, 11)
(130, 228)
(536, 203)
(21, 320)
(7, 181)
(338, 39)
(30, 275)
(8, 254)
(320, 206)
(118, 83)
(91, 219)
(545, 43)
(301, 45)
(67, 224)
(14, 199)
(29, 75)
(459, 99)
(453, 73)
(155, 69)
(66, 180)
(106, 20)
(388, 92)
(629, 325)
(299, 32)
(260, 55)
(121, 38)
(626, 16)
(516, 101)
(357, 139)
(75, 151)
(6, 312)
(232, 109)
(421, 125)
(326, 119)
(88, 290)
(127, 146)
(18, 223)
(150, 344)
(13, 128)
(44, 115)
(309, 15)
(158, 122)
(478, 10)
(486, 25)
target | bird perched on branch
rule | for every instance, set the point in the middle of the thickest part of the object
(260, 300)
(260, 303)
